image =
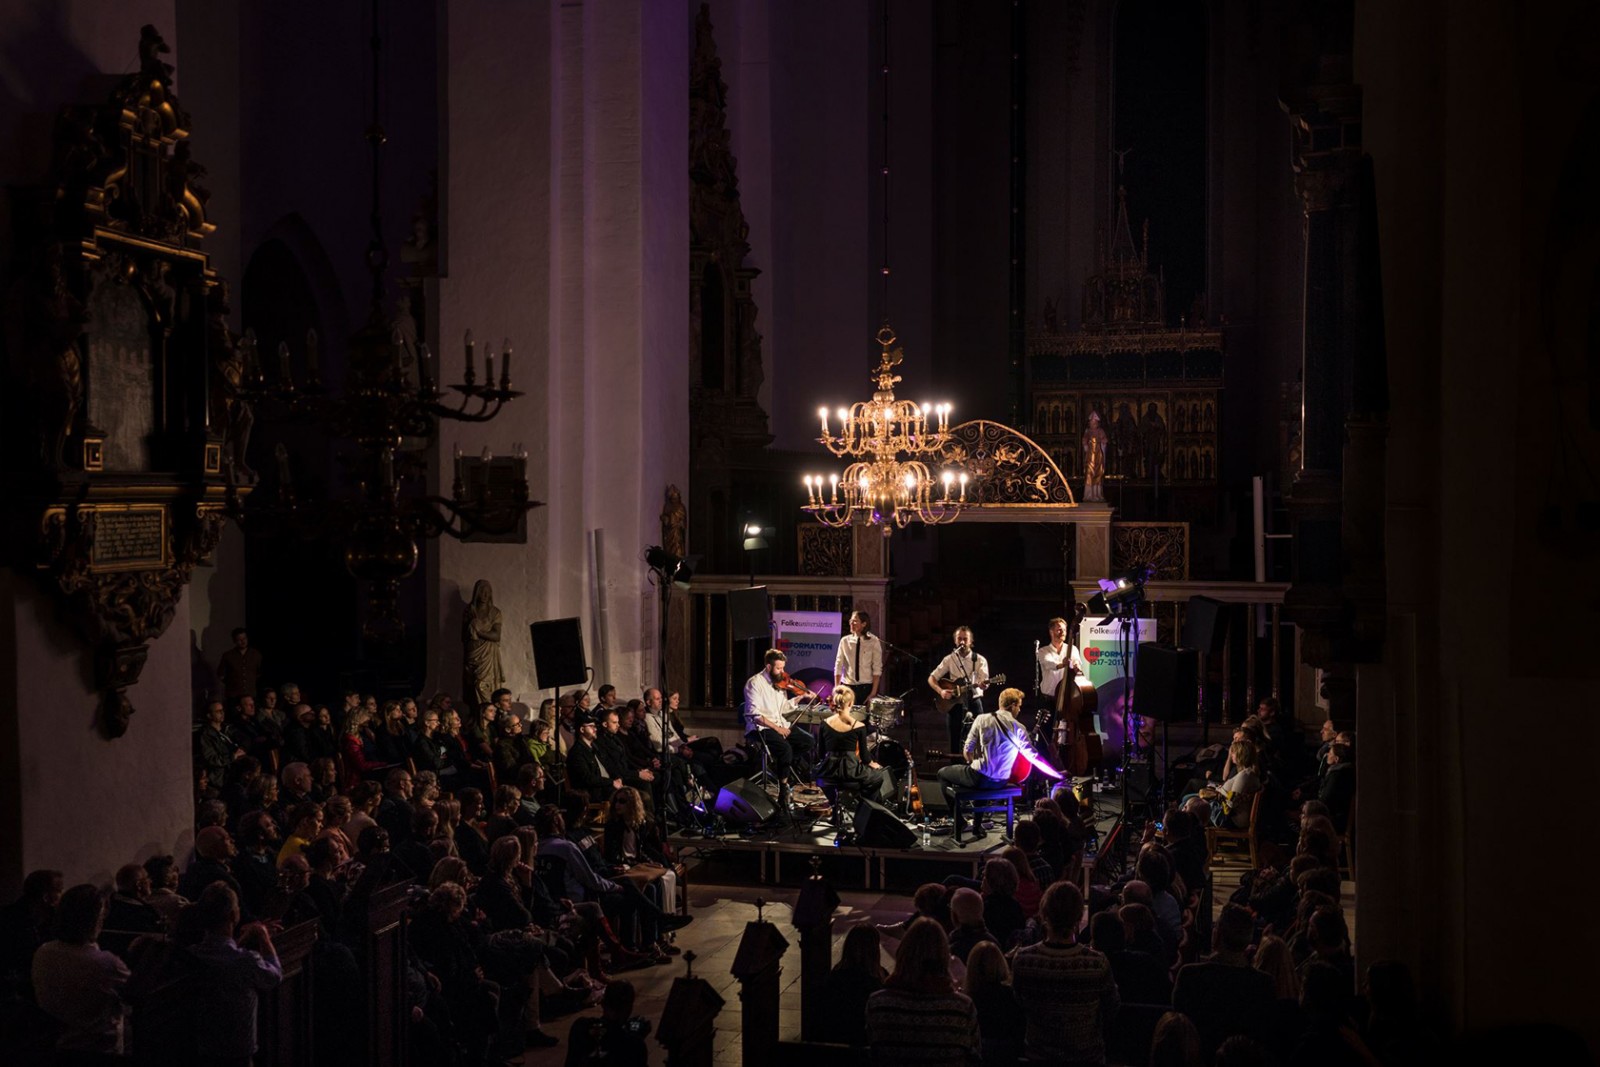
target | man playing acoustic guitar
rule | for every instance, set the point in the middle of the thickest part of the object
(958, 683)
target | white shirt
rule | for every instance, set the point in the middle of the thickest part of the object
(79, 985)
(844, 664)
(994, 743)
(1053, 663)
(762, 699)
(957, 668)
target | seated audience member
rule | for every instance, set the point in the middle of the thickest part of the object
(1029, 890)
(1237, 793)
(326, 887)
(1338, 786)
(632, 844)
(619, 900)
(1329, 1038)
(1027, 836)
(966, 915)
(336, 816)
(231, 975)
(394, 812)
(364, 800)
(294, 788)
(215, 746)
(1273, 959)
(260, 737)
(1329, 939)
(393, 741)
(129, 908)
(79, 984)
(507, 807)
(359, 745)
(918, 1019)
(1185, 838)
(305, 824)
(1156, 872)
(1241, 1051)
(1175, 1043)
(1299, 934)
(536, 792)
(213, 848)
(254, 864)
(164, 874)
(858, 974)
(1225, 995)
(1139, 926)
(28, 922)
(1001, 912)
(324, 779)
(442, 942)
(1057, 843)
(471, 844)
(298, 740)
(510, 749)
(1065, 988)
(932, 901)
(413, 852)
(616, 1036)
(1141, 977)
(1001, 1023)
(429, 752)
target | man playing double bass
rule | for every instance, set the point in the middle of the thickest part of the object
(1059, 664)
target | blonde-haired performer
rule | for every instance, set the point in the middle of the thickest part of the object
(843, 759)
(997, 752)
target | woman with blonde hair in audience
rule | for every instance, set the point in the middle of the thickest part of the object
(1028, 888)
(1001, 1023)
(451, 869)
(1273, 958)
(918, 1019)
(359, 747)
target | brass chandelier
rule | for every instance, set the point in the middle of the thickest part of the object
(897, 446)
(899, 475)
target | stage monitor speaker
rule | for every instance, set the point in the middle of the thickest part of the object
(741, 801)
(558, 657)
(879, 827)
(1141, 782)
(1205, 625)
(1166, 683)
(750, 613)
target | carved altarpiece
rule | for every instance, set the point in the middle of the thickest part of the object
(124, 436)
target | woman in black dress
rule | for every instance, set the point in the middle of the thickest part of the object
(841, 750)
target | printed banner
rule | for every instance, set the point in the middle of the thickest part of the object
(1103, 649)
(811, 641)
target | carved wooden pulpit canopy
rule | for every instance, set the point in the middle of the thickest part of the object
(123, 431)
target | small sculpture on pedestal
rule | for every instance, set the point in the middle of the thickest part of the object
(674, 524)
(1094, 460)
(480, 640)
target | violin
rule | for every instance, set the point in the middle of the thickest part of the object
(792, 685)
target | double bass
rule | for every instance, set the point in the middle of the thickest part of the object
(1078, 747)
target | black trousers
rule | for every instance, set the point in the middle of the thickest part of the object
(956, 719)
(961, 776)
(795, 751)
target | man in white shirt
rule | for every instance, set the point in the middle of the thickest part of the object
(766, 712)
(859, 663)
(960, 676)
(1056, 661)
(997, 752)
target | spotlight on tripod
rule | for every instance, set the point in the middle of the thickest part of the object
(675, 569)
(1122, 595)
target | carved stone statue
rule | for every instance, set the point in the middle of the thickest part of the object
(480, 646)
(230, 364)
(1153, 430)
(1121, 458)
(1094, 459)
(674, 524)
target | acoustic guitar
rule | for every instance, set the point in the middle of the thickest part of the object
(960, 687)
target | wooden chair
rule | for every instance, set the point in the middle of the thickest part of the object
(1347, 842)
(1215, 835)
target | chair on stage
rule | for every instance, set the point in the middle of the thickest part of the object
(838, 790)
(985, 801)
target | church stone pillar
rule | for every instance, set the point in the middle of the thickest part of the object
(564, 231)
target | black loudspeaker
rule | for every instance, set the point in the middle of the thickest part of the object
(750, 613)
(876, 825)
(558, 657)
(1205, 625)
(1166, 683)
(1141, 782)
(741, 802)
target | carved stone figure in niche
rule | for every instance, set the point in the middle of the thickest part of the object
(1194, 416)
(1121, 457)
(480, 641)
(1153, 434)
(1052, 318)
(419, 250)
(231, 413)
(1211, 417)
(675, 524)
(1180, 419)
(1094, 459)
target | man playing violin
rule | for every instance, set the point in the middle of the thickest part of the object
(965, 668)
(766, 712)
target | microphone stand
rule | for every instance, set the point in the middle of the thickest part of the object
(911, 720)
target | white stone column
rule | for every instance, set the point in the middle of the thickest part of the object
(567, 230)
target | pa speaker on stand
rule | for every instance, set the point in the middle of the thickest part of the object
(1166, 689)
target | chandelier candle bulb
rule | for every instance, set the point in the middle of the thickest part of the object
(283, 365)
(471, 370)
(488, 369)
(822, 413)
(505, 364)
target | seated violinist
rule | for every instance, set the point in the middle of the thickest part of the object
(766, 712)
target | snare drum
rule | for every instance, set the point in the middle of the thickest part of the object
(884, 712)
